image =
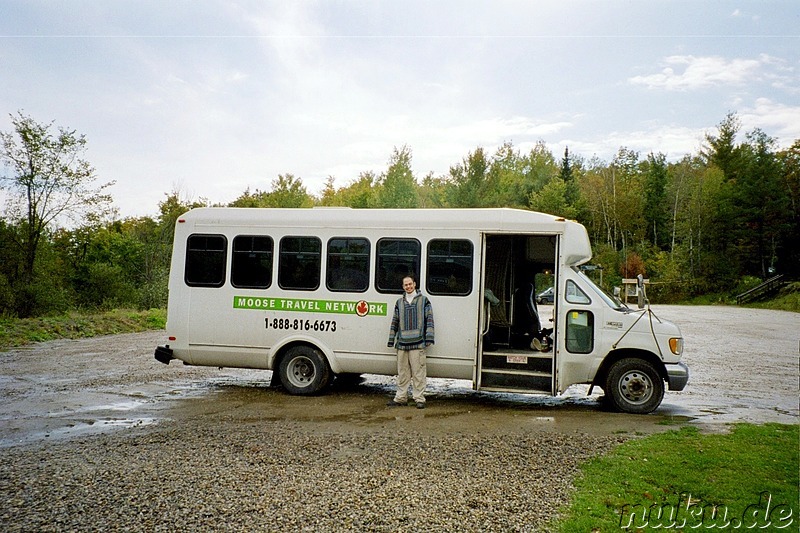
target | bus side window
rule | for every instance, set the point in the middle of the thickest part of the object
(348, 264)
(397, 258)
(575, 294)
(449, 269)
(205, 260)
(300, 263)
(251, 266)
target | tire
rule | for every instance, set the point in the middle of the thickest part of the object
(304, 370)
(634, 386)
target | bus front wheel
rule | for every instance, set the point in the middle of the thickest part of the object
(303, 370)
(634, 386)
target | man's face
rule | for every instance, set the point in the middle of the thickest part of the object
(409, 286)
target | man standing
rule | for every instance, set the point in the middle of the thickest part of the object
(411, 332)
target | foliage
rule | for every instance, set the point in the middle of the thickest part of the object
(48, 180)
(74, 325)
(661, 472)
(287, 191)
(788, 299)
(696, 226)
(398, 188)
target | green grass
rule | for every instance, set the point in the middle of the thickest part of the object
(74, 325)
(738, 472)
(787, 301)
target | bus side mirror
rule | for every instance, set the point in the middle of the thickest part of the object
(617, 291)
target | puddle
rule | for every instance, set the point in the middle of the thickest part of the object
(102, 424)
(75, 429)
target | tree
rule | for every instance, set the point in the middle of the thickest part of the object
(287, 191)
(568, 177)
(790, 170)
(613, 194)
(48, 181)
(723, 153)
(552, 199)
(722, 147)
(656, 208)
(467, 183)
(763, 205)
(524, 175)
(398, 188)
(504, 185)
(329, 197)
(361, 192)
(433, 192)
(174, 205)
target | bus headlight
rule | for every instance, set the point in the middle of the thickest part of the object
(676, 345)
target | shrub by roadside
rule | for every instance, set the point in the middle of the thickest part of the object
(75, 325)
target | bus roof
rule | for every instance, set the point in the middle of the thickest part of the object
(346, 217)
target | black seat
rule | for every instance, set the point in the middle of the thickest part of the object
(526, 314)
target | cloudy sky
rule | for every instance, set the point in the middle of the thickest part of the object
(210, 97)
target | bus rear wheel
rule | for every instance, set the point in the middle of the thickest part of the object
(634, 386)
(303, 370)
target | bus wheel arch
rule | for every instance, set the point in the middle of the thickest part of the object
(303, 369)
(632, 380)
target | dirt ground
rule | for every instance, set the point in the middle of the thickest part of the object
(743, 363)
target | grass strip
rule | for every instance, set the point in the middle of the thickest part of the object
(685, 481)
(16, 332)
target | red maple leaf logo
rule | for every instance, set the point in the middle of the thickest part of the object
(362, 308)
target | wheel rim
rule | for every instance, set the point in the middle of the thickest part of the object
(636, 387)
(301, 371)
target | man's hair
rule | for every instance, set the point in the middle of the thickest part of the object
(412, 276)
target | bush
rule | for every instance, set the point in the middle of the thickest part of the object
(744, 284)
(105, 286)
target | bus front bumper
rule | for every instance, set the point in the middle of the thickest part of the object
(677, 376)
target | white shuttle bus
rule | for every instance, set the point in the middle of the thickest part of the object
(309, 294)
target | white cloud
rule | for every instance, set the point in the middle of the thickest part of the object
(672, 140)
(778, 120)
(688, 72)
(739, 14)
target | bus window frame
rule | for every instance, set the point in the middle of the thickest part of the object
(329, 262)
(282, 254)
(238, 253)
(386, 288)
(189, 260)
(449, 258)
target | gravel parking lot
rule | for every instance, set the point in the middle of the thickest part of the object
(95, 434)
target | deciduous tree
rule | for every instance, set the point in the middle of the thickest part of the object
(48, 181)
(398, 188)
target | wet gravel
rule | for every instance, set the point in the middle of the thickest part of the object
(279, 477)
(97, 436)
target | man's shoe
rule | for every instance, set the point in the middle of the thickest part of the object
(536, 344)
(420, 405)
(392, 403)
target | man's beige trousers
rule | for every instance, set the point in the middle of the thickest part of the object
(411, 370)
